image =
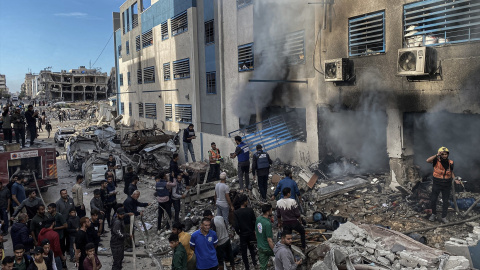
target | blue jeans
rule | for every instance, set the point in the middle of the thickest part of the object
(4, 217)
(223, 212)
(188, 147)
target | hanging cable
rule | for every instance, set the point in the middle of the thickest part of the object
(103, 49)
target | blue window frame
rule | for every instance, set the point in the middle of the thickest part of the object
(437, 22)
(140, 109)
(168, 112)
(183, 113)
(122, 108)
(151, 110)
(211, 83)
(147, 38)
(119, 51)
(245, 57)
(149, 74)
(166, 71)
(139, 76)
(181, 69)
(127, 47)
(164, 28)
(179, 23)
(366, 34)
(138, 45)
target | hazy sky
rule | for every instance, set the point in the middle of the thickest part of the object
(62, 34)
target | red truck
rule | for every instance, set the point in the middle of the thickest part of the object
(28, 161)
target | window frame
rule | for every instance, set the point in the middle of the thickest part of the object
(148, 107)
(356, 41)
(178, 63)
(130, 111)
(122, 107)
(127, 47)
(139, 78)
(179, 108)
(164, 26)
(120, 79)
(147, 38)
(210, 32)
(179, 29)
(241, 69)
(119, 49)
(167, 76)
(209, 83)
(169, 112)
(140, 110)
(245, 3)
(129, 79)
(138, 43)
(149, 71)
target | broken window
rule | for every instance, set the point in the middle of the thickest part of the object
(243, 3)
(140, 109)
(245, 57)
(151, 110)
(166, 71)
(121, 79)
(134, 15)
(119, 51)
(179, 23)
(211, 84)
(139, 76)
(181, 69)
(366, 34)
(433, 23)
(183, 113)
(209, 33)
(164, 30)
(149, 74)
(122, 107)
(137, 43)
(291, 48)
(128, 78)
(127, 47)
(168, 112)
(147, 38)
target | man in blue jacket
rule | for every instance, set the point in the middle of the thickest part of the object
(242, 152)
(21, 233)
(287, 182)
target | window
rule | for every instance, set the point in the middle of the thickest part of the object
(183, 113)
(128, 20)
(129, 79)
(149, 74)
(209, 33)
(122, 108)
(137, 43)
(151, 110)
(245, 57)
(121, 79)
(164, 30)
(433, 23)
(127, 47)
(168, 112)
(147, 39)
(119, 51)
(366, 34)
(211, 87)
(290, 48)
(181, 69)
(243, 3)
(129, 108)
(179, 23)
(166, 72)
(140, 109)
(139, 76)
(134, 15)
(123, 22)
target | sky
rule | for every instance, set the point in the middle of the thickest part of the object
(62, 34)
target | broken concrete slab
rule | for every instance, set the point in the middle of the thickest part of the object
(335, 189)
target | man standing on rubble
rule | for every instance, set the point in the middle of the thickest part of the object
(289, 217)
(261, 166)
(130, 206)
(127, 179)
(284, 259)
(245, 228)
(442, 182)
(133, 186)
(117, 239)
(111, 198)
(174, 170)
(243, 153)
(162, 194)
(224, 246)
(188, 136)
(31, 117)
(214, 159)
(222, 198)
(287, 182)
(263, 230)
(18, 121)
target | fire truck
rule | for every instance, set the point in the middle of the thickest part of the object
(35, 164)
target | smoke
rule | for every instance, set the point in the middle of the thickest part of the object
(272, 20)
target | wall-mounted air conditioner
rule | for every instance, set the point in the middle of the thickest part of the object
(416, 61)
(337, 70)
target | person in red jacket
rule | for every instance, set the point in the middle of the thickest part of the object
(48, 233)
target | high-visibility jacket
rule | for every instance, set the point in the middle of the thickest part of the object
(215, 155)
(440, 172)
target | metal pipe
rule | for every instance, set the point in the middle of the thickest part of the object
(442, 225)
(152, 91)
(278, 81)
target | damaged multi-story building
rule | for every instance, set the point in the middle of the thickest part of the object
(75, 85)
(3, 84)
(30, 86)
(383, 83)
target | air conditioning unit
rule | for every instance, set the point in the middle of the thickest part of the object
(416, 61)
(337, 70)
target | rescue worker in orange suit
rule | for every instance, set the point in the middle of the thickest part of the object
(442, 182)
(214, 158)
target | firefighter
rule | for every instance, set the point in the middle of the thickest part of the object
(243, 153)
(442, 181)
(214, 158)
(261, 166)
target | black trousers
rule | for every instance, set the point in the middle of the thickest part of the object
(247, 242)
(7, 134)
(33, 132)
(167, 207)
(80, 212)
(298, 228)
(263, 185)
(436, 190)
(20, 133)
(176, 207)
(214, 173)
(108, 212)
(118, 253)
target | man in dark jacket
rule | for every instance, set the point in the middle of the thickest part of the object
(188, 136)
(31, 117)
(261, 166)
(4, 206)
(21, 234)
(97, 204)
(111, 198)
(289, 216)
(245, 228)
(36, 224)
(179, 261)
(31, 203)
(133, 186)
(18, 121)
(174, 170)
(127, 179)
(242, 152)
(117, 240)
(73, 223)
(130, 206)
(81, 240)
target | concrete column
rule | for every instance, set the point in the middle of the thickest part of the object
(399, 164)
(84, 96)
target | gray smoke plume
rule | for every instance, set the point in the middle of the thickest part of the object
(272, 20)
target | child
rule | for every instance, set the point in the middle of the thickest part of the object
(91, 262)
